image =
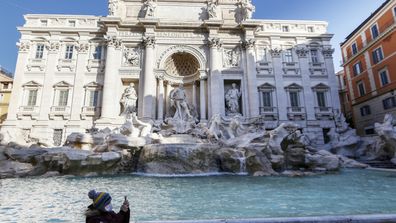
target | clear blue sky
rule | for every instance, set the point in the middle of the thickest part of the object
(343, 16)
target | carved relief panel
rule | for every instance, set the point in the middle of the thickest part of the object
(232, 57)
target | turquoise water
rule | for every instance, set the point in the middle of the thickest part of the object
(63, 199)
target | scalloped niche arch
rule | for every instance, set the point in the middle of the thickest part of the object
(182, 50)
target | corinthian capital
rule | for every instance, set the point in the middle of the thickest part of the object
(53, 46)
(215, 43)
(248, 44)
(149, 41)
(328, 52)
(113, 41)
(23, 46)
(83, 47)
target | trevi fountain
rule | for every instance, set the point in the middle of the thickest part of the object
(181, 131)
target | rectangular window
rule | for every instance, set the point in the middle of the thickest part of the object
(294, 102)
(69, 52)
(267, 99)
(357, 68)
(321, 99)
(374, 31)
(44, 23)
(365, 110)
(39, 51)
(63, 96)
(32, 98)
(97, 55)
(384, 77)
(354, 49)
(389, 103)
(362, 91)
(310, 29)
(5, 86)
(72, 23)
(377, 55)
(314, 56)
(288, 56)
(285, 28)
(93, 98)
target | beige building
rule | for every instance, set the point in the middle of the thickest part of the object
(5, 92)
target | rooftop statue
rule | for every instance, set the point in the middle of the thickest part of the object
(246, 10)
(149, 8)
(212, 9)
(113, 7)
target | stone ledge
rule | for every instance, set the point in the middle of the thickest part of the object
(375, 218)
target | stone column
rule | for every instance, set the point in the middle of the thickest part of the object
(110, 99)
(149, 86)
(161, 92)
(17, 92)
(202, 97)
(194, 94)
(216, 96)
(251, 75)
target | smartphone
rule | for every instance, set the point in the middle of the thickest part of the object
(125, 198)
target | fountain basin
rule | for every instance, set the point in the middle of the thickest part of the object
(63, 199)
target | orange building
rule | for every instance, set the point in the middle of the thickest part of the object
(369, 55)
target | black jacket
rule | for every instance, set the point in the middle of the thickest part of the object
(96, 216)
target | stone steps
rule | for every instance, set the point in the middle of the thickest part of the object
(383, 164)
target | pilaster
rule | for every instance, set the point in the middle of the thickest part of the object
(251, 76)
(309, 98)
(78, 86)
(17, 93)
(47, 95)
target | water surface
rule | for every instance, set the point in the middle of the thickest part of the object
(64, 199)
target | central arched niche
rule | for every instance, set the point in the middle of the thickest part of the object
(182, 64)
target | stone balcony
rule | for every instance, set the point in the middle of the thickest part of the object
(317, 69)
(90, 111)
(99, 65)
(36, 63)
(296, 113)
(269, 113)
(68, 64)
(60, 111)
(26, 111)
(264, 68)
(290, 68)
(324, 113)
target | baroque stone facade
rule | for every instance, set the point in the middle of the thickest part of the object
(73, 71)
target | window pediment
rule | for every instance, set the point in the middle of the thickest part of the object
(63, 84)
(31, 84)
(294, 86)
(266, 86)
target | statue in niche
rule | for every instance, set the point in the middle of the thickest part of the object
(178, 100)
(113, 6)
(212, 9)
(128, 100)
(232, 100)
(149, 8)
(132, 57)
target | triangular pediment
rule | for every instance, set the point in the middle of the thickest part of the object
(63, 84)
(294, 86)
(266, 86)
(31, 84)
(321, 86)
(93, 85)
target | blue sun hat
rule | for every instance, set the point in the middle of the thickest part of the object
(101, 200)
